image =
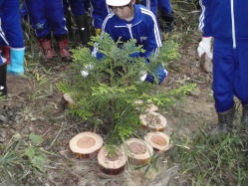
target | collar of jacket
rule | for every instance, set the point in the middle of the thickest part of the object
(135, 21)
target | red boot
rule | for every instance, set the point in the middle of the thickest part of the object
(6, 53)
(63, 46)
(46, 45)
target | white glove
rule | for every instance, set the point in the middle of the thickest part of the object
(205, 47)
(143, 76)
(85, 72)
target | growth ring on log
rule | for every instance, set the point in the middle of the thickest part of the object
(85, 144)
(139, 151)
(112, 164)
(154, 121)
(158, 140)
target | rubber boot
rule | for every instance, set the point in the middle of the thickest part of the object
(69, 25)
(6, 53)
(83, 28)
(244, 117)
(63, 47)
(167, 24)
(47, 48)
(3, 84)
(16, 66)
(225, 121)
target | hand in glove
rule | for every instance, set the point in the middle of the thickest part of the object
(97, 32)
(143, 76)
(160, 72)
(206, 54)
(205, 47)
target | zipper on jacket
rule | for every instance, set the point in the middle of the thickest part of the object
(233, 24)
(129, 26)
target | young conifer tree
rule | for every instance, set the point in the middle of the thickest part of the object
(106, 98)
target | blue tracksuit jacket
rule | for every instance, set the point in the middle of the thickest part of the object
(143, 28)
(47, 16)
(227, 22)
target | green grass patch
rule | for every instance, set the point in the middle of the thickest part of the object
(214, 160)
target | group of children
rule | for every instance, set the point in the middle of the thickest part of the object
(48, 19)
(225, 22)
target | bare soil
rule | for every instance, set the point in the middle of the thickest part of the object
(33, 107)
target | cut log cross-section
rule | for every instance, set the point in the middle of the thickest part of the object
(158, 140)
(139, 152)
(85, 144)
(67, 100)
(112, 163)
(152, 108)
(154, 121)
(149, 107)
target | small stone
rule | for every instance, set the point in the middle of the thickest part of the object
(195, 92)
(3, 135)
(3, 119)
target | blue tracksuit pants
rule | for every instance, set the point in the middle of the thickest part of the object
(165, 6)
(154, 5)
(47, 16)
(11, 24)
(151, 5)
(230, 73)
(99, 11)
(77, 6)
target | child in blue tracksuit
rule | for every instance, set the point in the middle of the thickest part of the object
(129, 20)
(11, 35)
(163, 10)
(226, 22)
(47, 17)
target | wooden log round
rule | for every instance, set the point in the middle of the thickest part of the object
(158, 140)
(112, 163)
(85, 144)
(153, 121)
(139, 152)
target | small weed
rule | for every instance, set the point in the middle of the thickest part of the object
(23, 161)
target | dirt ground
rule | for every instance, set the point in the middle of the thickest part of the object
(37, 108)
